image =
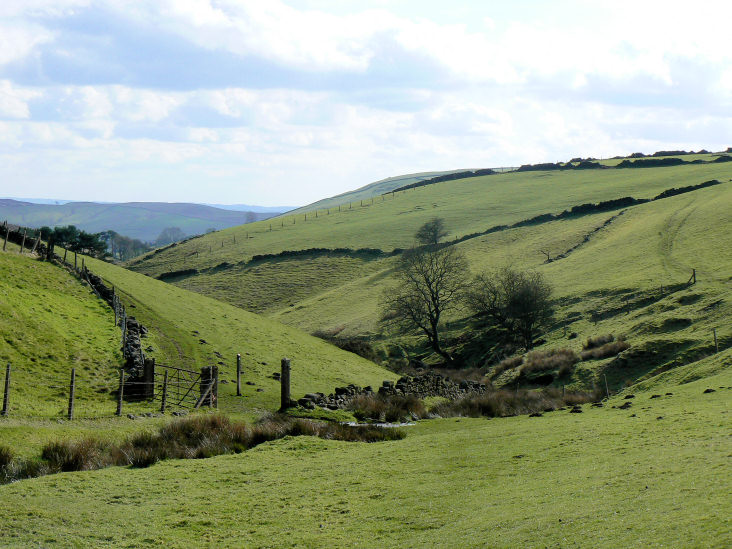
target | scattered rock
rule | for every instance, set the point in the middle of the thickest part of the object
(536, 414)
(627, 397)
(669, 394)
(260, 390)
(655, 396)
(224, 381)
(576, 410)
(633, 415)
(659, 417)
(597, 404)
(708, 391)
(624, 406)
(131, 416)
(249, 382)
(203, 342)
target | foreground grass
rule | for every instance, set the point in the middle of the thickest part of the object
(652, 476)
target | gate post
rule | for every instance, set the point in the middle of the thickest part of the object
(209, 377)
(285, 402)
(148, 389)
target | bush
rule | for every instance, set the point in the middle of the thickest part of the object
(607, 350)
(597, 341)
(562, 360)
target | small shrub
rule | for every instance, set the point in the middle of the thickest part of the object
(597, 341)
(607, 350)
(562, 360)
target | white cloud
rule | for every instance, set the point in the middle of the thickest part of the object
(14, 100)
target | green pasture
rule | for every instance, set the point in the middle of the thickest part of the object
(193, 331)
(49, 324)
(654, 475)
(468, 206)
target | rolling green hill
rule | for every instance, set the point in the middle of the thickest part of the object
(141, 220)
(377, 188)
(624, 272)
(653, 475)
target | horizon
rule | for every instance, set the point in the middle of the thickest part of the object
(240, 102)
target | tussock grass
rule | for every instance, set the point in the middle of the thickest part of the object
(504, 403)
(508, 363)
(190, 438)
(562, 360)
(607, 350)
(392, 408)
(597, 341)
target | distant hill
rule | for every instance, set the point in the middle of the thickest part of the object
(372, 189)
(143, 220)
(274, 210)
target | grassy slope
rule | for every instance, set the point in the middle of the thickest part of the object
(652, 476)
(371, 190)
(466, 205)
(50, 323)
(618, 282)
(173, 314)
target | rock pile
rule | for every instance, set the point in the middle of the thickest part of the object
(422, 385)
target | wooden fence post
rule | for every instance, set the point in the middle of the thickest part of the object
(238, 374)
(72, 389)
(121, 392)
(6, 393)
(7, 232)
(164, 399)
(75, 267)
(607, 390)
(22, 244)
(716, 345)
(35, 244)
(285, 384)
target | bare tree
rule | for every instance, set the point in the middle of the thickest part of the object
(431, 232)
(431, 282)
(518, 301)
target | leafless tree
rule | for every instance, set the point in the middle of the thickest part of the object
(430, 282)
(518, 301)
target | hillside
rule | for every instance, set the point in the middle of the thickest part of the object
(375, 189)
(624, 272)
(141, 220)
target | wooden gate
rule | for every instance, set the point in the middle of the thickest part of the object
(185, 388)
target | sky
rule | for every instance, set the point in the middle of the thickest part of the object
(284, 102)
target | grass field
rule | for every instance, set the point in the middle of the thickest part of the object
(656, 475)
(49, 324)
